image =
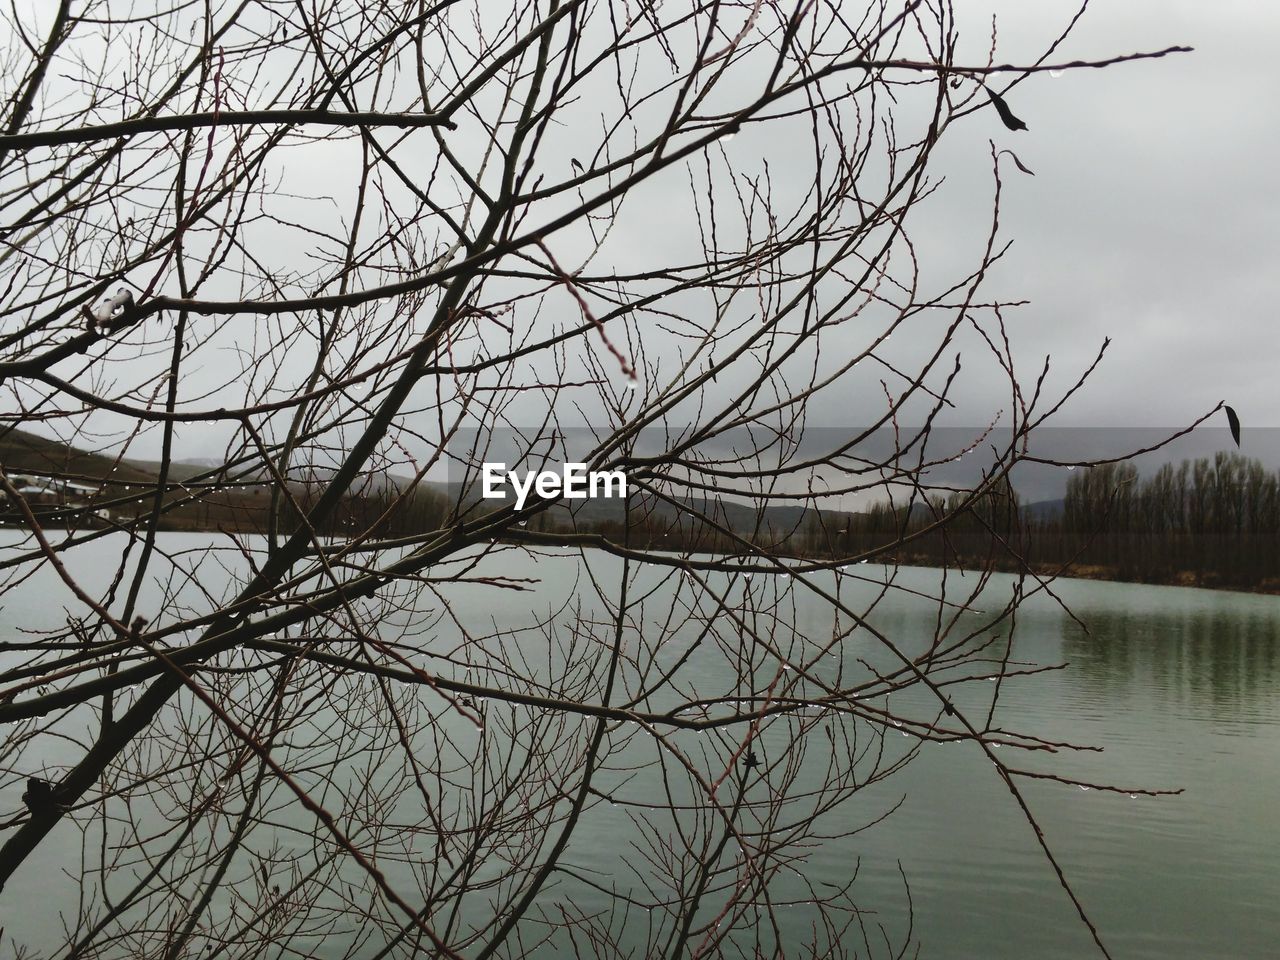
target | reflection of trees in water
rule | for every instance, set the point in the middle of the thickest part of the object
(1198, 658)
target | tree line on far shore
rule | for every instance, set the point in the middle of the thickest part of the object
(1211, 522)
(1207, 522)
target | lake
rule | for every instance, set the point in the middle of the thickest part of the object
(1179, 687)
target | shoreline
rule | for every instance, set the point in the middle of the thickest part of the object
(1082, 571)
(1187, 579)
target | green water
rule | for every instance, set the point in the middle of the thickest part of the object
(1180, 688)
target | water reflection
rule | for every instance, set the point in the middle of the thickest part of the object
(1214, 654)
(1178, 686)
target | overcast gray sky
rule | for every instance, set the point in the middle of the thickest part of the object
(1154, 215)
(1153, 218)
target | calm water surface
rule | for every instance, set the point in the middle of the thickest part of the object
(1180, 687)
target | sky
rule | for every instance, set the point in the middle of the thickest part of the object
(1153, 217)
(1154, 214)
